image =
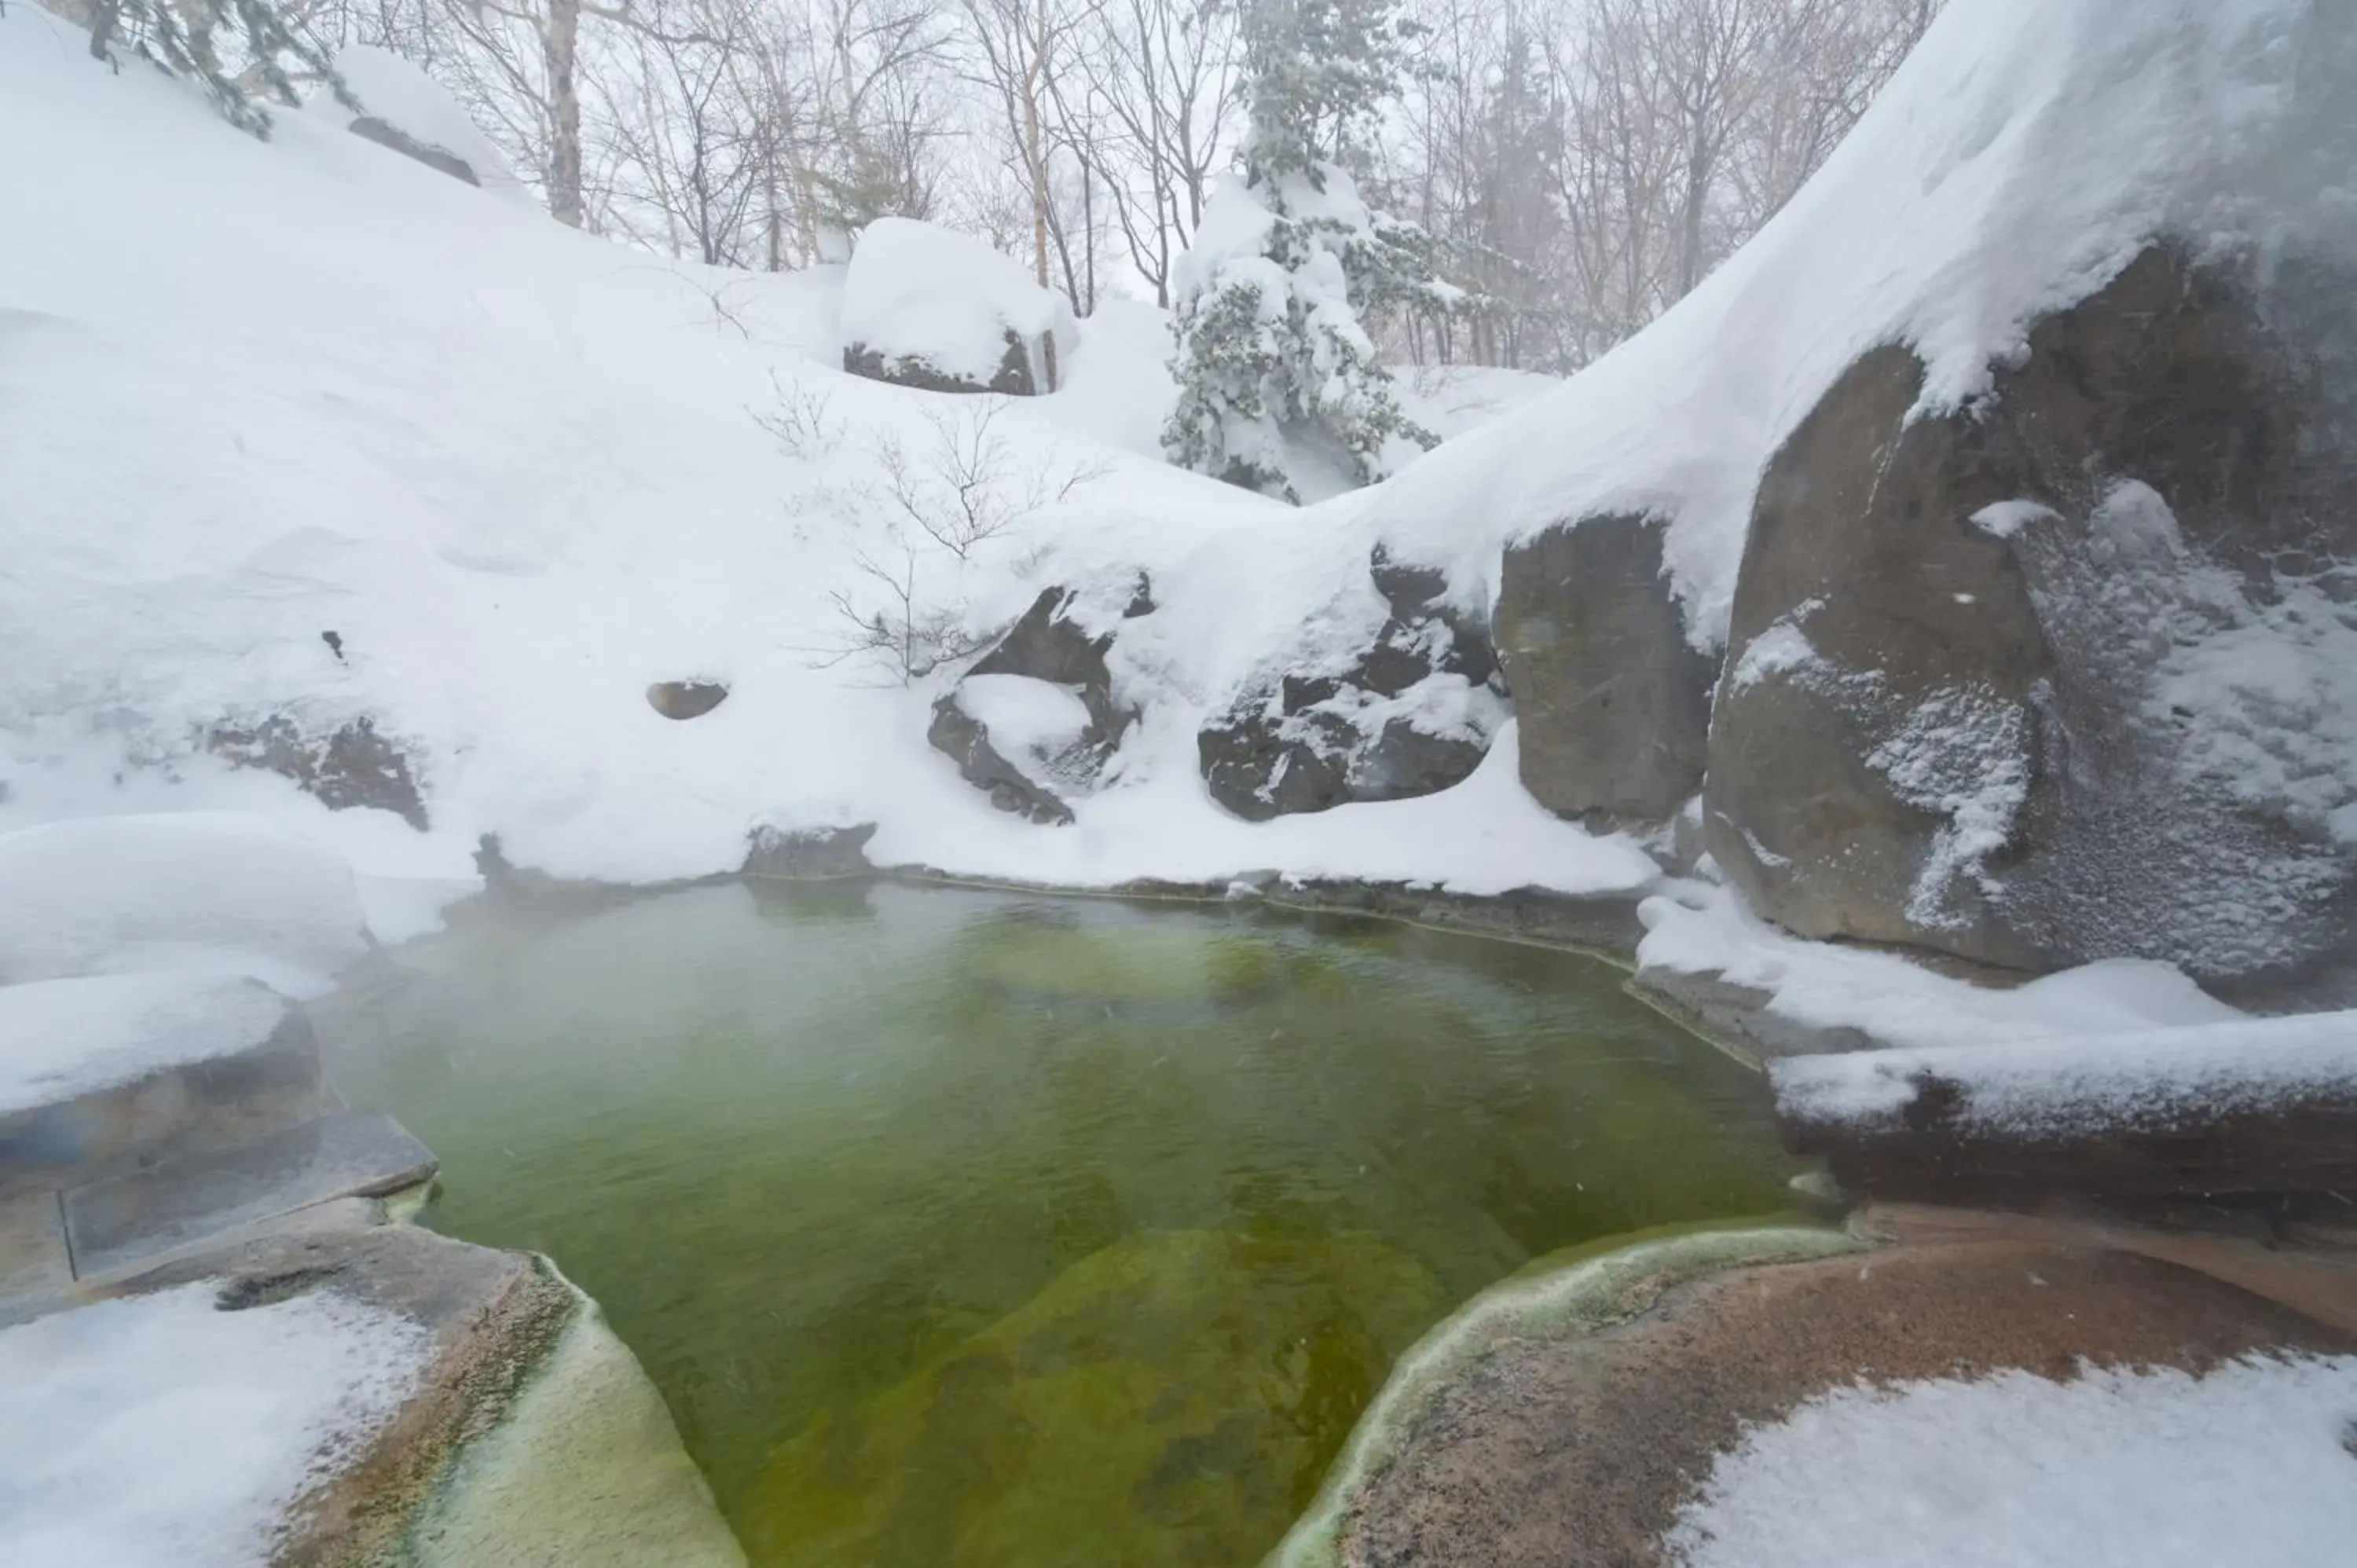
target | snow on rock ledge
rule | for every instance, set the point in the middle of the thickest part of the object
(221, 892)
(406, 109)
(932, 308)
(2251, 1105)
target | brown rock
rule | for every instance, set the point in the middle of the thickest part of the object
(1582, 1450)
(356, 764)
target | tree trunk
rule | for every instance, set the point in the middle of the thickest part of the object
(560, 41)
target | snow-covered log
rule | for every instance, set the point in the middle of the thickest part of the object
(2254, 1105)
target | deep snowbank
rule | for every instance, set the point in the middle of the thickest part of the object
(514, 470)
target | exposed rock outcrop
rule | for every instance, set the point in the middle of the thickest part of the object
(686, 698)
(2071, 672)
(809, 853)
(385, 134)
(1612, 698)
(355, 765)
(1036, 719)
(1412, 714)
(1013, 376)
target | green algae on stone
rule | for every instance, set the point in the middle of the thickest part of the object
(1567, 1295)
(1169, 1401)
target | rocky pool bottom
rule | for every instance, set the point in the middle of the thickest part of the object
(967, 1228)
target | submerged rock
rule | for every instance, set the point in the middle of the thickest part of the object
(1169, 1401)
(1613, 698)
(2067, 674)
(1411, 715)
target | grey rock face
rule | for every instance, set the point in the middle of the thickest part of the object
(352, 1153)
(1012, 377)
(1614, 701)
(357, 765)
(810, 853)
(2071, 673)
(1050, 643)
(685, 699)
(385, 134)
(270, 1080)
(1412, 714)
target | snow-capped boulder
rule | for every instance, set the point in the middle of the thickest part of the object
(1036, 719)
(2070, 672)
(1613, 696)
(928, 307)
(1413, 713)
(403, 108)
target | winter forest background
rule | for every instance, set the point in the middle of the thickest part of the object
(1514, 183)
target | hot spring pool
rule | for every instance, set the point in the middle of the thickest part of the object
(965, 1228)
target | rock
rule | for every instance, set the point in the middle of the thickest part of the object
(685, 699)
(1411, 715)
(403, 108)
(809, 853)
(965, 740)
(351, 1154)
(355, 765)
(1564, 1446)
(1035, 719)
(2071, 673)
(928, 308)
(384, 134)
(35, 1268)
(528, 1438)
(1613, 698)
(114, 1072)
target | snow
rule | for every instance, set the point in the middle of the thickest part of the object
(1705, 930)
(2247, 1464)
(515, 469)
(157, 1432)
(209, 891)
(390, 89)
(2058, 1084)
(916, 290)
(61, 1039)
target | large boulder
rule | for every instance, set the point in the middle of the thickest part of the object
(1036, 719)
(928, 307)
(1410, 713)
(1612, 695)
(2071, 672)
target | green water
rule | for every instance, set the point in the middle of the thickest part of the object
(976, 1230)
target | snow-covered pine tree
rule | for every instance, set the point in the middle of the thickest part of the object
(1277, 378)
(240, 49)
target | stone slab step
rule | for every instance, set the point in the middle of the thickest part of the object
(35, 1270)
(114, 1225)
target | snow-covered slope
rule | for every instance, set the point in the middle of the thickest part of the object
(258, 394)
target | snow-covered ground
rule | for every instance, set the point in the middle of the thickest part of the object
(160, 1429)
(2248, 1465)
